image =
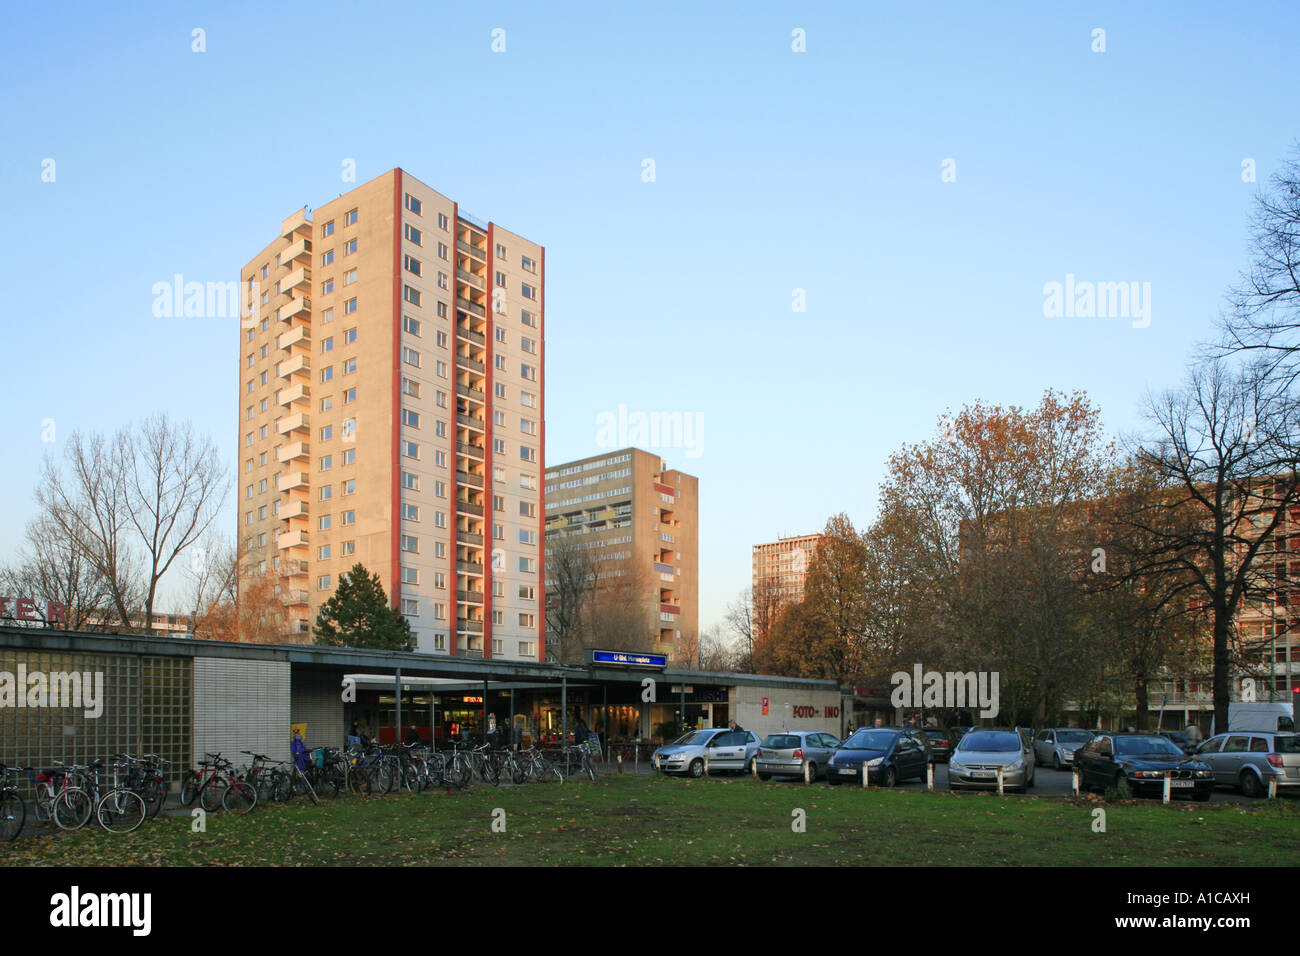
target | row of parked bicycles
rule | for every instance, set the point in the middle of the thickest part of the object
(119, 795)
(127, 790)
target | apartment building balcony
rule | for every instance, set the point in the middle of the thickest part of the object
(469, 597)
(298, 221)
(465, 478)
(472, 250)
(301, 392)
(469, 537)
(294, 364)
(296, 596)
(293, 480)
(476, 281)
(470, 567)
(469, 508)
(299, 335)
(291, 308)
(291, 539)
(663, 568)
(300, 420)
(473, 451)
(670, 608)
(473, 394)
(298, 278)
(295, 568)
(296, 250)
(466, 626)
(294, 509)
(469, 306)
(470, 421)
(466, 362)
(470, 335)
(292, 451)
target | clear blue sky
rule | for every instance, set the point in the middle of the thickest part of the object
(775, 170)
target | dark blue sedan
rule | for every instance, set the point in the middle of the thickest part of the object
(890, 754)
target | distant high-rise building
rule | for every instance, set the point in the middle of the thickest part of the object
(391, 413)
(780, 571)
(629, 523)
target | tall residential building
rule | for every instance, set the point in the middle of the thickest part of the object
(391, 413)
(781, 568)
(637, 521)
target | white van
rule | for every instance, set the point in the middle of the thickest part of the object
(1266, 717)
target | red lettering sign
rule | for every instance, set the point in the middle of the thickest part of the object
(26, 609)
(831, 712)
(55, 611)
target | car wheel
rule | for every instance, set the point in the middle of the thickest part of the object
(1251, 786)
(1029, 781)
(891, 777)
(1202, 797)
(764, 776)
(697, 767)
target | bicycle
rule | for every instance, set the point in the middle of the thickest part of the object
(538, 767)
(578, 759)
(146, 777)
(121, 809)
(13, 811)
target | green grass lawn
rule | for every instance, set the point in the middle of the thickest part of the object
(622, 821)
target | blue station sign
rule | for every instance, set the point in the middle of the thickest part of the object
(627, 658)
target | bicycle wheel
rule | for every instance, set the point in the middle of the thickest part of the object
(589, 764)
(239, 797)
(13, 813)
(73, 808)
(518, 773)
(212, 792)
(190, 787)
(305, 787)
(358, 781)
(154, 795)
(121, 811)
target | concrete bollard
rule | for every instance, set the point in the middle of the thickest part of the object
(1169, 787)
(807, 772)
(753, 767)
(1001, 792)
(929, 777)
(866, 775)
(1076, 781)
(1272, 788)
(620, 763)
(706, 763)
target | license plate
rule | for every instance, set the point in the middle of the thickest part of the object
(1183, 783)
(848, 771)
(984, 774)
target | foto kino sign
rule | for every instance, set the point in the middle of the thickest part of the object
(25, 610)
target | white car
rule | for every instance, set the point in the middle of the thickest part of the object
(723, 749)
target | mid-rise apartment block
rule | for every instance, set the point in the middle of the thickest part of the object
(391, 413)
(637, 519)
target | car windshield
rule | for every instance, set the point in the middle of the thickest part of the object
(696, 737)
(779, 741)
(1072, 736)
(1132, 746)
(870, 740)
(936, 735)
(984, 741)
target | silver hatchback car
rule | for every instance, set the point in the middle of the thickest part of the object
(1249, 759)
(785, 754)
(723, 749)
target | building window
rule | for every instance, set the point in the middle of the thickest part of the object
(528, 318)
(323, 553)
(527, 592)
(327, 374)
(442, 339)
(350, 277)
(347, 548)
(528, 291)
(327, 463)
(349, 486)
(440, 519)
(411, 544)
(323, 522)
(349, 517)
(527, 454)
(410, 481)
(410, 608)
(410, 575)
(410, 512)
(327, 229)
(350, 218)
(349, 366)
(350, 396)
(412, 326)
(327, 258)
(528, 565)
(501, 251)
(442, 221)
(410, 388)
(327, 403)
(326, 493)
(349, 456)
(410, 356)
(411, 295)
(528, 265)
(527, 620)
(327, 287)
(349, 336)
(412, 265)
(323, 582)
(528, 372)
(442, 250)
(411, 449)
(442, 280)
(327, 316)
(412, 234)
(410, 419)
(349, 306)
(528, 399)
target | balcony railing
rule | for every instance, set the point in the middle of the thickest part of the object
(476, 281)
(469, 306)
(465, 478)
(474, 394)
(469, 567)
(469, 537)
(469, 597)
(465, 247)
(467, 362)
(473, 451)
(470, 335)
(469, 627)
(469, 421)
(469, 508)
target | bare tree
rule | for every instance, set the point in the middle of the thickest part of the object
(176, 482)
(90, 508)
(1264, 305)
(1228, 442)
(55, 567)
(212, 572)
(571, 571)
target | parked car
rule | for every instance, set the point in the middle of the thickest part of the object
(955, 734)
(891, 755)
(1056, 746)
(940, 745)
(975, 762)
(1141, 761)
(725, 750)
(1248, 761)
(785, 754)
